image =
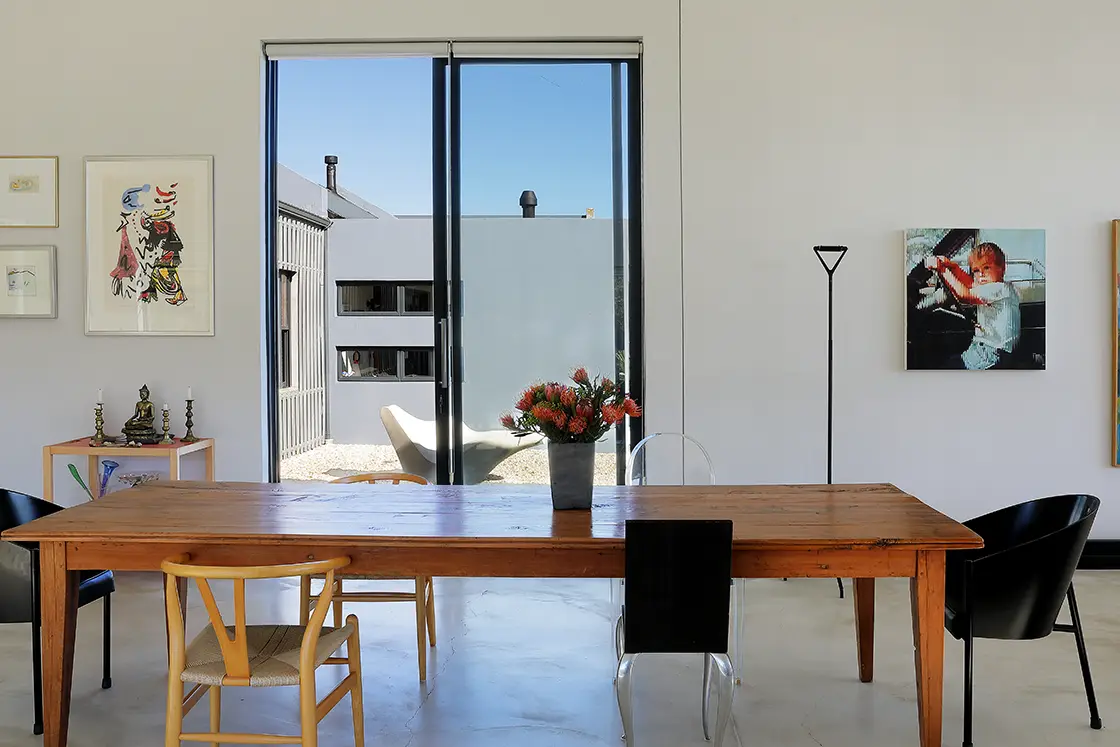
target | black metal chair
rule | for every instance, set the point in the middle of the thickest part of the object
(19, 586)
(1013, 588)
(678, 600)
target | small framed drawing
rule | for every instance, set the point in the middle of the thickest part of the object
(29, 191)
(150, 245)
(30, 283)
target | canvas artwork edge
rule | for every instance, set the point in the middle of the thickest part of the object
(210, 234)
(51, 252)
(1038, 362)
(54, 202)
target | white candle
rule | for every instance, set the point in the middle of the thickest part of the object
(100, 397)
(189, 395)
(165, 407)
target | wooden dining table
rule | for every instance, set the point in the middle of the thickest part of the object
(861, 532)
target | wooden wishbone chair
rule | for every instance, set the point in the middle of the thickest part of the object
(424, 594)
(245, 655)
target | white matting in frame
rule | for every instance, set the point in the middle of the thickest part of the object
(30, 287)
(150, 245)
(29, 191)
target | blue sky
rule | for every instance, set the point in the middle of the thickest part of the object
(545, 127)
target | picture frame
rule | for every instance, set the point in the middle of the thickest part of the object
(30, 289)
(28, 191)
(149, 245)
(1116, 343)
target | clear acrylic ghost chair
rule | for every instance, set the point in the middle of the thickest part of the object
(637, 474)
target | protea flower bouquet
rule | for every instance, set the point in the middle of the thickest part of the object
(572, 418)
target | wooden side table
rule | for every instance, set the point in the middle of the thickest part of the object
(173, 453)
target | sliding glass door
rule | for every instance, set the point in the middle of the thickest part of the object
(543, 247)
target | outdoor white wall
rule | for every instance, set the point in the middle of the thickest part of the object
(823, 122)
(211, 84)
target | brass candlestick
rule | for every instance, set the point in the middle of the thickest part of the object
(99, 423)
(190, 438)
(166, 427)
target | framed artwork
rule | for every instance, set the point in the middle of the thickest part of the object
(29, 191)
(975, 299)
(1116, 343)
(30, 282)
(150, 245)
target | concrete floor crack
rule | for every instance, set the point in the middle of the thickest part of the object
(810, 733)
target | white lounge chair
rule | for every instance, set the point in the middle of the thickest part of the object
(415, 443)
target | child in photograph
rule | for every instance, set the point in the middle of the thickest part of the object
(995, 299)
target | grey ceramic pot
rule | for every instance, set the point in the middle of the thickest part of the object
(571, 469)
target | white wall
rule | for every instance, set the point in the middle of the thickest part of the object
(210, 78)
(823, 122)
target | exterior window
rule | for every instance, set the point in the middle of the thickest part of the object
(386, 364)
(419, 363)
(368, 364)
(367, 298)
(376, 297)
(285, 357)
(417, 298)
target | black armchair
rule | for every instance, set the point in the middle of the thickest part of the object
(1013, 588)
(19, 586)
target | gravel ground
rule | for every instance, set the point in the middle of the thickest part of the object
(528, 467)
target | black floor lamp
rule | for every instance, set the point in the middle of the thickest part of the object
(830, 257)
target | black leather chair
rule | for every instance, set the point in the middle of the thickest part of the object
(1013, 588)
(19, 586)
(678, 600)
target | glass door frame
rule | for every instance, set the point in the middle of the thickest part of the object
(447, 128)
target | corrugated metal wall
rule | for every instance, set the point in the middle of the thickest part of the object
(302, 249)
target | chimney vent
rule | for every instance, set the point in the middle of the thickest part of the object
(332, 172)
(528, 204)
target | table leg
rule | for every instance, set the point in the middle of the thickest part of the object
(210, 464)
(93, 477)
(59, 619)
(864, 600)
(174, 464)
(927, 600)
(48, 474)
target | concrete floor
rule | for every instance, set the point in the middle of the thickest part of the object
(530, 662)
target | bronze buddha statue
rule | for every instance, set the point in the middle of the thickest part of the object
(140, 428)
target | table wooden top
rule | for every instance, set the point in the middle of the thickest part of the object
(769, 517)
(80, 446)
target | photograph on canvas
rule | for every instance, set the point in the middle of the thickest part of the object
(975, 299)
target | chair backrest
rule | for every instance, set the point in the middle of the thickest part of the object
(20, 508)
(16, 603)
(678, 586)
(396, 478)
(235, 653)
(636, 472)
(1021, 575)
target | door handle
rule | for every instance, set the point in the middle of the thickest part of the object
(445, 354)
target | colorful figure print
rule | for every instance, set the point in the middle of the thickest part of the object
(150, 248)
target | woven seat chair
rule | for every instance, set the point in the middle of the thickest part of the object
(423, 595)
(245, 655)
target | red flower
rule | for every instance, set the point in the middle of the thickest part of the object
(543, 413)
(526, 402)
(611, 414)
(577, 425)
(568, 397)
(506, 420)
(552, 392)
(580, 376)
(584, 410)
(608, 386)
(560, 419)
(631, 408)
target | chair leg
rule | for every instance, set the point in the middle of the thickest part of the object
(421, 632)
(707, 696)
(106, 645)
(215, 712)
(308, 722)
(431, 609)
(174, 724)
(354, 656)
(618, 638)
(726, 695)
(1083, 654)
(968, 654)
(623, 688)
(36, 644)
(840, 583)
(304, 599)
